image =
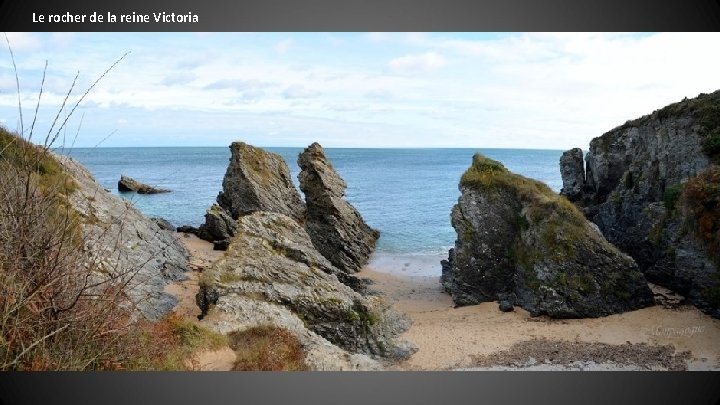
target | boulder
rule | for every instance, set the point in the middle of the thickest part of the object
(519, 241)
(505, 306)
(163, 223)
(650, 189)
(336, 228)
(127, 184)
(218, 226)
(257, 180)
(127, 244)
(187, 229)
(287, 283)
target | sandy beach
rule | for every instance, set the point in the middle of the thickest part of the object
(482, 337)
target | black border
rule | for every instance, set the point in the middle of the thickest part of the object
(372, 387)
(361, 388)
(379, 15)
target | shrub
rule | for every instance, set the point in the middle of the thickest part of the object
(267, 348)
(671, 195)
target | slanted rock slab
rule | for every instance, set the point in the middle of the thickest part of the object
(128, 184)
(271, 264)
(336, 228)
(258, 180)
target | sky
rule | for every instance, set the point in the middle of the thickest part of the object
(476, 90)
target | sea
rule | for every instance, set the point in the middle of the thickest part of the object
(406, 194)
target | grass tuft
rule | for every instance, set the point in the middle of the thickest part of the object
(267, 348)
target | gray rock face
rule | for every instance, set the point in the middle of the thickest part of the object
(636, 176)
(519, 242)
(218, 226)
(336, 228)
(287, 277)
(126, 242)
(573, 173)
(163, 223)
(129, 184)
(257, 180)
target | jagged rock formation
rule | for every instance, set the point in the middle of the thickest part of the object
(520, 242)
(272, 274)
(335, 227)
(125, 241)
(126, 184)
(218, 226)
(573, 173)
(650, 188)
(255, 180)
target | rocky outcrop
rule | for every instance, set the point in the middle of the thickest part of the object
(163, 223)
(126, 184)
(272, 274)
(218, 225)
(126, 244)
(336, 228)
(257, 180)
(572, 173)
(636, 191)
(521, 243)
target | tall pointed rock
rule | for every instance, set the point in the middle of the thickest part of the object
(336, 228)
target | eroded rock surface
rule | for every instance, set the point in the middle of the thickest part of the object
(257, 180)
(521, 243)
(336, 228)
(272, 274)
(124, 241)
(651, 187)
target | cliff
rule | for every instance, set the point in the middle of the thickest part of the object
(651, 187)
(521, 243)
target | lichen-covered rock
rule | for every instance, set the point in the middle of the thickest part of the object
(520, 242)
(272, 266)
(336, 228)
(257, 180)
(572, 173)
(636, 192)
(126, 184)
(124, 242)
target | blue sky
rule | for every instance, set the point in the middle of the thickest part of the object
(480, 90)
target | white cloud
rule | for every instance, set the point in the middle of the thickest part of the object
(283, 47)
(21, 41)
(179, 78)
(299, 91)
(379, 94)
(428, 61)
(517, 90)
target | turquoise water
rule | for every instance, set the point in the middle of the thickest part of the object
(407, 194)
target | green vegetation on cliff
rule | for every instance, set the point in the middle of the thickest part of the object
(519, 239)
(540, 202)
